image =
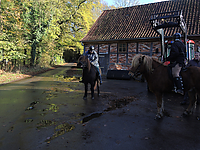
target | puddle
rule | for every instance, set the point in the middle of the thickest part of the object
(113, 104)
(119, 103)
(91, 116)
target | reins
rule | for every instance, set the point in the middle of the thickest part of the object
(157, 67)
(160, 64)
(85, 60)
(88, 65)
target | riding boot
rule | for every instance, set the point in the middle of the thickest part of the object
(99, 74)
(179, 85)
(175, 87)
(100, 78)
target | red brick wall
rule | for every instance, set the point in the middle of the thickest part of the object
(122, 58)
(156, 45)
(118, 67)
(113, 48)
(144, 47)
(103, 48)
(113, 58)
(132, 47)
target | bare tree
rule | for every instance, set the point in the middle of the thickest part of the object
(126, 3)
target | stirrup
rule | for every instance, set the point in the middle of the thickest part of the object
(174, 89)
(180, 91)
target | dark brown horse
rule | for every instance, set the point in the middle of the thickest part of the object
(90, 75)
(159, 82)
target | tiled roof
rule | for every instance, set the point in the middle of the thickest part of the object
(133, 22)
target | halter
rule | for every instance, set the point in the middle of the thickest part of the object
(136, 73)
(85, 62)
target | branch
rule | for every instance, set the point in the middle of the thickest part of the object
(61, 22)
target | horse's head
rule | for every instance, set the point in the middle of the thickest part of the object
(140, 65)
(84, 61)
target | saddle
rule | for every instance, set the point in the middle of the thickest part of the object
(169, 70)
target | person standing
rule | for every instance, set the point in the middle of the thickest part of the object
(195, 61)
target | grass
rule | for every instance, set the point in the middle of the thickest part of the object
(6, 77)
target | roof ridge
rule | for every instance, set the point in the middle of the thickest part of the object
(137, 5)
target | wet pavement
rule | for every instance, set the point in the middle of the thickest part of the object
(48, 112)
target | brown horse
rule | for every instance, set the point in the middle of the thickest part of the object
(90, 75)
(159, 82)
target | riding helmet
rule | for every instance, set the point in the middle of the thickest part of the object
(177, 36)
(91, 48)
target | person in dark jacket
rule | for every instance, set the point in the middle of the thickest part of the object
(177, 59)
(194, 62)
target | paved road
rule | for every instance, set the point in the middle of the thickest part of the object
(47, 112)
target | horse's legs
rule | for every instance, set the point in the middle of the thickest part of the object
(98, 87)
(92, 90)
(86, 89)
(160, 105)
(192, 98)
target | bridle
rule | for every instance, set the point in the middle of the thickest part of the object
(137, 72)
(85, 63)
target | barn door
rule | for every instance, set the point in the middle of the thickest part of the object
(103, 62)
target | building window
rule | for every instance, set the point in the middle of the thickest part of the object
(122, 47)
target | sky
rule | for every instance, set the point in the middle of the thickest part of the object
(110, 2)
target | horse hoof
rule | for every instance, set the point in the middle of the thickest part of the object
(186, 113)
(158, 117)
(93, 98)
(85, 98)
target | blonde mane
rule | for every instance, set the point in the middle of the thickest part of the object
(147, 61)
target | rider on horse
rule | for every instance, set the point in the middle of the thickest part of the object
(177, 59)
(93, 57)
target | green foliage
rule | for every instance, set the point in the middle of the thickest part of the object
(37, 31)
(44, 61)
(9, 51)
